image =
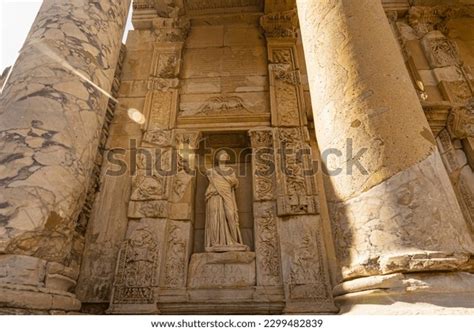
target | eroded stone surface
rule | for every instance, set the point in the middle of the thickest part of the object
(372, 229)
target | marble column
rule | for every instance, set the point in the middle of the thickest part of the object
(399, 213)
(51, 115)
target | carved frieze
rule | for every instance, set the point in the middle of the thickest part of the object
(213, 5)
(136, 270)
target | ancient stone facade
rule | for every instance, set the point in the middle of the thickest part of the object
(240, 156)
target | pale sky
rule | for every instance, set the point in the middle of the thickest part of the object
(16, 18)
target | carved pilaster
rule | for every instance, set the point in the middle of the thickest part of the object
(267, 244)
(263, 164)
(138, 269)
(178, 250)
(297, 192)
(286, 93)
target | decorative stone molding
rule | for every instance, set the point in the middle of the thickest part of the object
(208, 6)
(437, 115)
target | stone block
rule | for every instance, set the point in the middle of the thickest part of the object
(22, 270)
(215, 270)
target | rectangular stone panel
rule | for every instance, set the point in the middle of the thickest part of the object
(303, 266)
(267, 246)
(202, 62)
(178, 250)
(229, 269)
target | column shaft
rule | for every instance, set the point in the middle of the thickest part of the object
(51, 115)
(399, 214)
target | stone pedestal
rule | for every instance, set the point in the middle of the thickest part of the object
(216, 270)
(52, 111)
(397, 212)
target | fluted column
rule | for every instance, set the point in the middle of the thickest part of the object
(399, 214)
(51, 115)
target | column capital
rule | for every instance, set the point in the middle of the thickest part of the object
(280, 24)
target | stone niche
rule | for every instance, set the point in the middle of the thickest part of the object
(228, 269)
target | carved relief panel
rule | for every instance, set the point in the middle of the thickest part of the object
(305, 273)
(267, 244)
(177, 254)
(139, 266)
(263, 164)
(297, 192)
(287, 99)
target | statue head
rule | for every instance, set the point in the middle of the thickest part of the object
(222, 157)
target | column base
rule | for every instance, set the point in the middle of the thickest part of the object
(36, 286)
(33, 299)
(411, 294)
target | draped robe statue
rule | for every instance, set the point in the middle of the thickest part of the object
(222, 232)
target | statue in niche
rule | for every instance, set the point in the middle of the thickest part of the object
(222, 232)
